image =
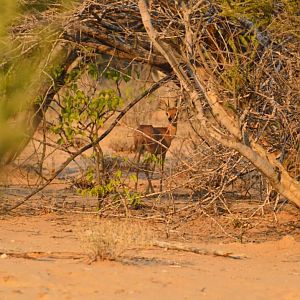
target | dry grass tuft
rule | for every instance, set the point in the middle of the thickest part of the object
(109, 240)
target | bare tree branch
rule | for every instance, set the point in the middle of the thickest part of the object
(148, 92)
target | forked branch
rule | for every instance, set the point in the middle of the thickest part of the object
(256, 154)
(148, 92)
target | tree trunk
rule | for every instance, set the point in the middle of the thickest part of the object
(266, 163)
(36, 112)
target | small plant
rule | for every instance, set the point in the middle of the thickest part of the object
(114, 187)
(109, 240)
(82, 114)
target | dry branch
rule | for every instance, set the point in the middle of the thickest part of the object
(256, 154)
(243, 86)
(148, 92)
(201, 251)
(40, 255)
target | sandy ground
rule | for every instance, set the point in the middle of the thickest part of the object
(270, 271)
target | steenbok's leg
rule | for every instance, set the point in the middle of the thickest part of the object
(148, 172)
(137, 166)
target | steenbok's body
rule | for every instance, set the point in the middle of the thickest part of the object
(155, 141)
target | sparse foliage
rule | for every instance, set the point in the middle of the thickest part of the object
(236, 63)
(109, 240)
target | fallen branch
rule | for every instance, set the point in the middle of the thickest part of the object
(202, 251)
(36, 255)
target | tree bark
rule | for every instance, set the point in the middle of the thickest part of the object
(36, 112)
(266, 163)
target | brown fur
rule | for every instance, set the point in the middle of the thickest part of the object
(156, 141)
